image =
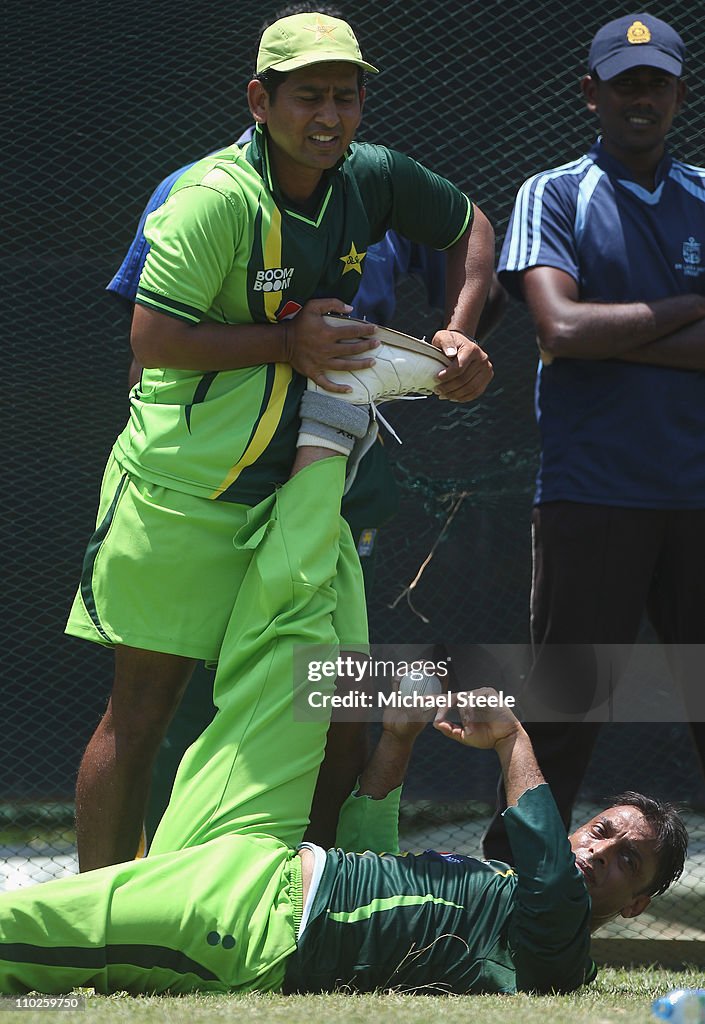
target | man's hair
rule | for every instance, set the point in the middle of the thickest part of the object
(271, 79)
(671, 837)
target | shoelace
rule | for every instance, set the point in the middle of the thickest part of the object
(385, 422)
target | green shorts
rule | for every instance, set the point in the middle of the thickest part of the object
(161, 572)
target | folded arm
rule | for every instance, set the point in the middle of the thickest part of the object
(665, 332)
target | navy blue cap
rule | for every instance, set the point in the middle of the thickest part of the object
(636, 40)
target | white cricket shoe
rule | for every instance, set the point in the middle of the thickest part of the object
(404, 366)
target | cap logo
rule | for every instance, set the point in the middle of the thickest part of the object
(321, 30)
(638, 33)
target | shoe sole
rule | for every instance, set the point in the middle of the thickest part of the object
(395, 339)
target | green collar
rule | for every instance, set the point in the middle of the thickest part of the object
(258, 156)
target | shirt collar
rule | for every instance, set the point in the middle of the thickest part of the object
(616, 169)
(258, 156)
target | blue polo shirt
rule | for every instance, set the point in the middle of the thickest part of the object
(612, 432)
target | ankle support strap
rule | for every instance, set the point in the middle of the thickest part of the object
(329, 422)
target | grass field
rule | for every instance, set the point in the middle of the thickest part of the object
(617, 997)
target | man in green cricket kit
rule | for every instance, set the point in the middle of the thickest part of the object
(252, 248)
(235, 908)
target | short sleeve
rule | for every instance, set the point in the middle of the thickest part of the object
(367, 824)
(402, 194)
(376, 297)
(549, 931)
(541, 231)
(124, 283)
(193, 240)
(386, 262)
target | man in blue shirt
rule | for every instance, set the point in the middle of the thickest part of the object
(606, 253)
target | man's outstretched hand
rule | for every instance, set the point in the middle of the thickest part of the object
(480, 727)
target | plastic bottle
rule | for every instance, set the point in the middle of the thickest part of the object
(682, 1006)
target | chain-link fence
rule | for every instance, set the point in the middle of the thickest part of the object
(103, 100)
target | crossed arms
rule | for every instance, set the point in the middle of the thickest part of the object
(665, 332)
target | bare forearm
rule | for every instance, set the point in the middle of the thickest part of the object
(520, 770)
(493, 310)
(682, 350)
(593, 330)
(491, 726)
(469, 268)
(312, 343)
(158, 340)
(387, 766)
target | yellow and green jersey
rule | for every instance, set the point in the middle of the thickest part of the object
(227, 247)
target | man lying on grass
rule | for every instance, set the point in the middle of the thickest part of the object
(225, 901)
(245, 912)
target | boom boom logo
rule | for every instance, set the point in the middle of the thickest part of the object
(277, 279)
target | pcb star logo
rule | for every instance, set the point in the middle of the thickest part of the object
(353, 260)
(322, 30)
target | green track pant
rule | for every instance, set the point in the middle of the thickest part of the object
(216, 904)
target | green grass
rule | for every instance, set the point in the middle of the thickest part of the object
(618, 996)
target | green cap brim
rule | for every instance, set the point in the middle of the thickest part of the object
(304, 61)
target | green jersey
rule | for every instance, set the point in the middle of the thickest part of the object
(438, 922)
(227, 247)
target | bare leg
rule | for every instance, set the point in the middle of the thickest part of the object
(113, 780)
(307, 454)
